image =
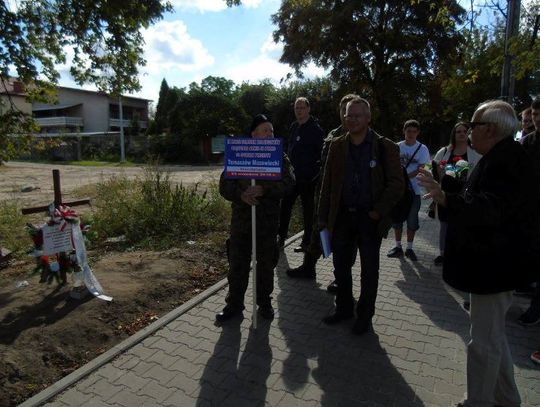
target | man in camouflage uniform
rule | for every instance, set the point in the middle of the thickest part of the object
(266, 195)
(314, 250)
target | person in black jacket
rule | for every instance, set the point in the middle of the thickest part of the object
(304, 150)
(493, 223)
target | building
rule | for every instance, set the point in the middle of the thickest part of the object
(13, 96)
(77, 110)
(88, 112)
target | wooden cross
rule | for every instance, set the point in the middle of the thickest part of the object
(57, 198)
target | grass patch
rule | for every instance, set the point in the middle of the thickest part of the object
(13, 235)
(153, 211)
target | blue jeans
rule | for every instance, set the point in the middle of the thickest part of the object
(412, 220)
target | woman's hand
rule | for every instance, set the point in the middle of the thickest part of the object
(434, 191)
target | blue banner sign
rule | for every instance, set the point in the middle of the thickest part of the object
(253, 158)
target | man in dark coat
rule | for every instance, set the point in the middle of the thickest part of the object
(362, 182)
(531, 144)
(314, 250)
(304, 150)
(491, 247)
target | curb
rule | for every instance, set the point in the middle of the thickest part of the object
(128, 343)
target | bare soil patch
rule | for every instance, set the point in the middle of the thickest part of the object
(44, 334)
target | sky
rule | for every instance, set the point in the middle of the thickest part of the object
(204, 37)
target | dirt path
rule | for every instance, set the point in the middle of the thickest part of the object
(44, 334)
(16, 176)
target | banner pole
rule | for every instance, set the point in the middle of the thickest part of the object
(254, 259)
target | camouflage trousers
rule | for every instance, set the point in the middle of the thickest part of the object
(239, 254)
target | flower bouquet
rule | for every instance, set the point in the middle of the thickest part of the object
(454, 174)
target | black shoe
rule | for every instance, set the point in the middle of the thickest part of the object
(411, 254)
(227, 313)
(302, 272)
(439, 260)
(395, 252)
(361, 326)
(530, 317)
(337, 317)
(266, 311)
(332, 287)
(281, 242)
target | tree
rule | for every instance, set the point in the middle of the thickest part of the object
(380, 49)
(105, 37)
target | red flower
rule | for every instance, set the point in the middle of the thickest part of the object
(442, 163)
(457, 158)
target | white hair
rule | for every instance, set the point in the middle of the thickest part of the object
(501, 114)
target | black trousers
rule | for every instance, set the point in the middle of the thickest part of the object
(306, 191)
(352, 231)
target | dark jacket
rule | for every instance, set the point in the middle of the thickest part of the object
(493, 227)
(304, 149)
(268, 209)
(386, 180)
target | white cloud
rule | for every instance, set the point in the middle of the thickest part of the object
(169, 46)
(210, 5)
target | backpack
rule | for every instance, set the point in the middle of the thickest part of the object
(401, 209)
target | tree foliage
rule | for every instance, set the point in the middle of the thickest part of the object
(104, 36)
(381, 50)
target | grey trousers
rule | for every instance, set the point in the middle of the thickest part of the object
(490, 369)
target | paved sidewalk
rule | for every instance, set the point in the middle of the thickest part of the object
(415, 357)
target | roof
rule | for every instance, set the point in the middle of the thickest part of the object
(54, 107)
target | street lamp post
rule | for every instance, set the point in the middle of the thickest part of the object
(122, 147)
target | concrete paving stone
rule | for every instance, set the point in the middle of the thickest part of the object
(433, 347)
(184, 383)
(443, 387)
(103, 389)
(56, 403)
(156, 391)
(397, 352)
(160, 373)
(273, 397)
(188, 340)
(439, 400)
(442, 374)
(74, 397)
(97, 403)
(111, 373)
(398, 332)
(88, 381)
(405, 364)
(184, 366)
(142, 352)
(128, 398)
(180, 399)
(419, 380)
(430, 359)
(142, 367)
(410, 344)
(189, 329)
(133, 381)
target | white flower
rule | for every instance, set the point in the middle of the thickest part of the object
(462, 163)
(451, 173)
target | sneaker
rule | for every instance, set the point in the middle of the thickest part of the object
(395, 252)
(411, 254)
(438, 260)
(535, 357)
(530, 317)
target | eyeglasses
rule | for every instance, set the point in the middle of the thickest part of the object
(354, 116)
(472, 125)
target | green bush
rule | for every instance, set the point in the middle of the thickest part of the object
(153, 210)
(13, 235)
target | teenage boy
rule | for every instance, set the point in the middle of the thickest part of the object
(413, 155)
